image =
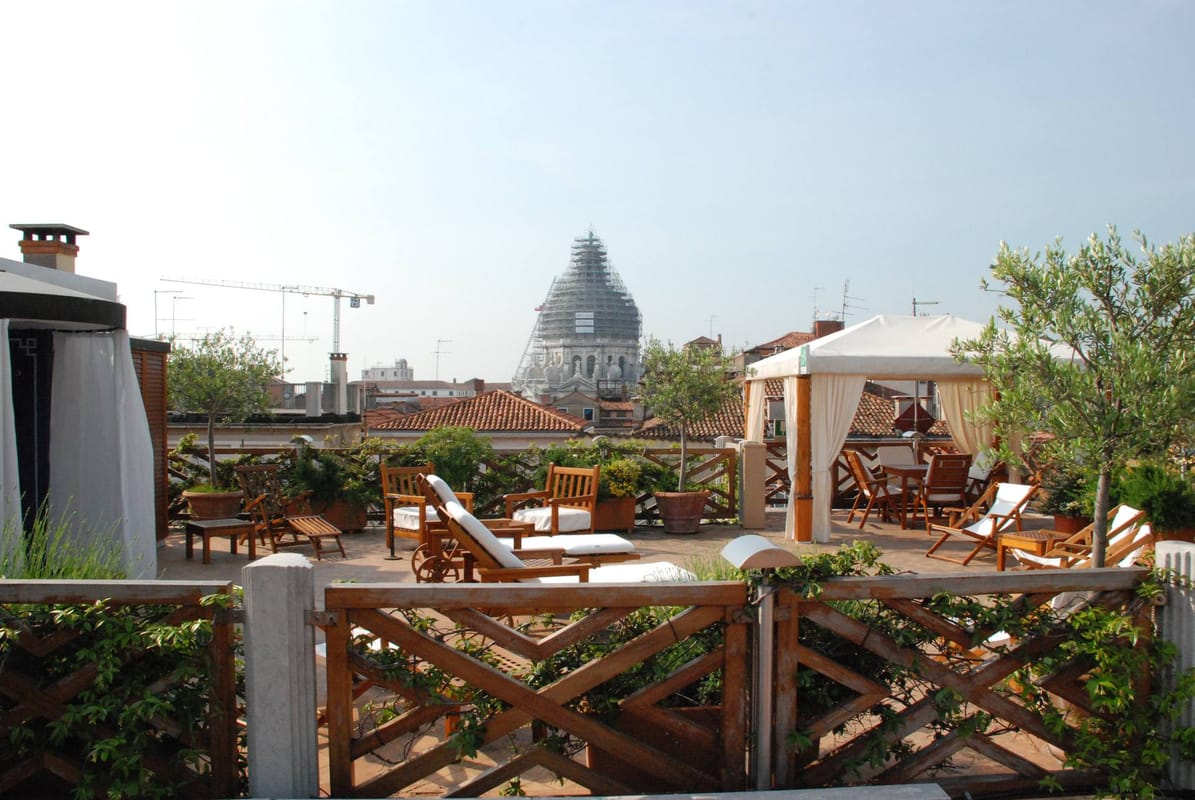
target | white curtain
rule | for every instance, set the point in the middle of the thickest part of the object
(790, 445)
(756, 403)
(834, 401)
(960, 400)
(101, 456)
(11, 533)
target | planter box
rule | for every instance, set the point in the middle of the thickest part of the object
(615, 514)
(214, 505)
(1068, 524)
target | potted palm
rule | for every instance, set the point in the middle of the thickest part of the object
(1167, 498)
(683, 387)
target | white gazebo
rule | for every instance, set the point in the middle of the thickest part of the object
(823, 381)
(74, 440)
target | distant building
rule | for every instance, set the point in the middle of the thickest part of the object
(586, 338)
(399, 372)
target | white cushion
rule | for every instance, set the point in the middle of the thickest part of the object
(578, 544)
(442, 489)
(571, 519)
(630, 572)
(407, 517)
(483, 536)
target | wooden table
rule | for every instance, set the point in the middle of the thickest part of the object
(234, 529)
(1039, 542)
(905, 472)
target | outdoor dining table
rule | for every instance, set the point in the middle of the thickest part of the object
(906, 472)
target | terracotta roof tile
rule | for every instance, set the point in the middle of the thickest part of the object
(786, 342)
(491, 411)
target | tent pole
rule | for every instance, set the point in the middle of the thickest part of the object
(746, 409)
(804, 482)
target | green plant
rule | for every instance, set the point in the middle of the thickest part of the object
(621, 477)
(220, 375)
(684, 387)
(459, 454)
(1066, 491)
(51, 550)
(1167, 498)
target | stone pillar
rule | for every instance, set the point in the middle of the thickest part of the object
(753, 457)
(1176, 623)
(280, 676)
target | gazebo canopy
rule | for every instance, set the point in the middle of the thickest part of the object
(883, 347)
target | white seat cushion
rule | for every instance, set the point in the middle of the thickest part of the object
(630, 572)
(407, 517)
(571, 519)
(483, 536)
(578, 544)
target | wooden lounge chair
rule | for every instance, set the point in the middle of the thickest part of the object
(945, 485)
(873, 490)
(1128, 536)
(565, 505)
(998, 509)
(272, 523)
(486, 556)
(407, 512)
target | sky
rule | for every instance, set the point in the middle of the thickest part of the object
(749, 165)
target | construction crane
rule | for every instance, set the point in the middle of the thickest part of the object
(354, 298)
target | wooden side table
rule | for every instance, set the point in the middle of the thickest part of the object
(234, 529)
(1039, 542)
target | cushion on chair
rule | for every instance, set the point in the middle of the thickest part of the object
(407, 517)
(631, 572)
(571, 519)
(581, 544)
(442, 489)
(483, 536)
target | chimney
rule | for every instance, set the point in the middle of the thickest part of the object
(340, 380)
(824, 327)
(50, 245)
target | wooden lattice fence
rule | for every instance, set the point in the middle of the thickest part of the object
(57, 733)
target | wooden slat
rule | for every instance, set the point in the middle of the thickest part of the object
(559, 597)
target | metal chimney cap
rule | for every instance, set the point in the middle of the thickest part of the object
(53, 228)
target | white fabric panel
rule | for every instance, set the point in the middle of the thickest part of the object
(10, 486)
(579, 544)
(756, 404)
(482, 535)
(834, 401)
(631, 572)
(790, 444)
(569, 519)
(960, 400)
(101, 455)
(885, 346)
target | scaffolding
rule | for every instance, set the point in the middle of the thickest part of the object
(587, 333)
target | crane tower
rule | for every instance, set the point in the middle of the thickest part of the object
(339, 369)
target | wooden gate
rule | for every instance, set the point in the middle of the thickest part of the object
(459, 689)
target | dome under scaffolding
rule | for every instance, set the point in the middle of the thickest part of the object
(586, 338)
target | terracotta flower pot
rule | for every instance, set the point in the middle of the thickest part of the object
(681, 512)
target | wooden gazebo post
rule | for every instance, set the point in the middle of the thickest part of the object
(803, 483)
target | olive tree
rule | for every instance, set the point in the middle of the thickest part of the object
(220, 376)
(1098, 350)
(685, 386)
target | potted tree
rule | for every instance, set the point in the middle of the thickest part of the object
(683, 387)
(1167, 498)
(1066, 495)
(219, 376)
(326, 483)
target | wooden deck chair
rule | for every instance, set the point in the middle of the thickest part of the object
(999, 508)
(485, 555)
(564, 505)
(267, 508)
(872, 491)
(945, 485)
(1124, 541)
(407, 512)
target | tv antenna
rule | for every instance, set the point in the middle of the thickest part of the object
(847, 297)
(917, 303)
(438, 351)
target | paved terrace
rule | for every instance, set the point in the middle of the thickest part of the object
(904, 550)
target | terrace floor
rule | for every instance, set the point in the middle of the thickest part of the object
(903, 550)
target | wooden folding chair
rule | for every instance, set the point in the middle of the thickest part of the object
(267, 508)
(1000, 508)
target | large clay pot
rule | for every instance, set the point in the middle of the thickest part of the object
(1065, 523)
(214, 505)
(681, 512)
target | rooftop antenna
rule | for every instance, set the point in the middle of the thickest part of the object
(816, 311)
(438, 352)
(712, 318)
(847, 297)
(917, 303)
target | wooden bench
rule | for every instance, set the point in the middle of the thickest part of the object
(234, 529)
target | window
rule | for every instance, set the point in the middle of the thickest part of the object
(588, 414)
(584, 321)
(562, 409)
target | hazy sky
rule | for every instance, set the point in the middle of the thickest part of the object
(742, 161)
